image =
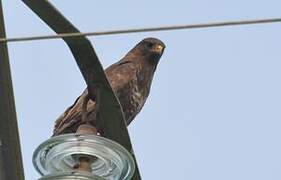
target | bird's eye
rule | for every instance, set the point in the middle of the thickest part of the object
(149, 45)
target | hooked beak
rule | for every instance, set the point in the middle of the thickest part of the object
(158, 49)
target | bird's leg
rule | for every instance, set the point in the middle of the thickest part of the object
(94, 92)
(84, 108)
(86, 127)
(97, 115)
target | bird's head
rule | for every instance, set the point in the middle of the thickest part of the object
(150, 48)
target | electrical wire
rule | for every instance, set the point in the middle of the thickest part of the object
(140, 30)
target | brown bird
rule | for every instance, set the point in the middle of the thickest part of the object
(130, 79)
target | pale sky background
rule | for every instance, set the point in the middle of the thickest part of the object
(214, 108)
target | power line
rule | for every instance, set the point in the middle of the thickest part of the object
(139, 30)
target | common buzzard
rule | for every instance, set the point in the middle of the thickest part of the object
(130, 79)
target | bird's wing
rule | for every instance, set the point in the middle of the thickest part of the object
(72, 115)
(119, 76)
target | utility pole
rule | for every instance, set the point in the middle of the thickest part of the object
(11, 167)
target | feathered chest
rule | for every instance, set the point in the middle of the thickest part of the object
(133, 95)
(138, 95)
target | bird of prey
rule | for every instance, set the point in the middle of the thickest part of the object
(130, 79)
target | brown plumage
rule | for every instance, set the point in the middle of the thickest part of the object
(130, 79)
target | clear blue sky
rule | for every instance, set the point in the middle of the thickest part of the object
(214, 108)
